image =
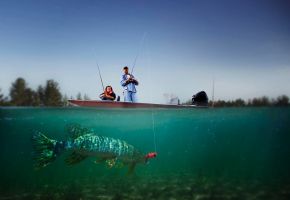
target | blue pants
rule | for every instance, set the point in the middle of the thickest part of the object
(130, 96)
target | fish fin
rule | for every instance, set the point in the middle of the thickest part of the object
(100, 160)
(131, 168)
(76, 130)
(43, 150)
(111, 162)
(119, 165)
(74, 158)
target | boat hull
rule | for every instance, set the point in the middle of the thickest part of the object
(118, 104)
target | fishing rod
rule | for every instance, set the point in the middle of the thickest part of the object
(101, 77)
(141, 44)
(213, 92)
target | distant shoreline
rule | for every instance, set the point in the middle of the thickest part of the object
(49, 95)
(264, 101)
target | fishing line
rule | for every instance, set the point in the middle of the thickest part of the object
(213, 81)
(151, 95)
(153, 129)
(152, 114)
(140, 47)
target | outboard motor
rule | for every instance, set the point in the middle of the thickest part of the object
(200, 99)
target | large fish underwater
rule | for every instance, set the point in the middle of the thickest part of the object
(83, 143)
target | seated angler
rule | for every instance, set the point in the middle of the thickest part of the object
(108, 94)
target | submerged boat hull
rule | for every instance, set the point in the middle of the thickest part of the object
(118, 104)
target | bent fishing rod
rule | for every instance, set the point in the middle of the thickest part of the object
(101, 77)
(141, 45)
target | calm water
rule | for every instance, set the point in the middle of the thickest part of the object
(229, 153)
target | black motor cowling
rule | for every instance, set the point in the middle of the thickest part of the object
(200, 99)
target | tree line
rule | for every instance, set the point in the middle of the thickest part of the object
(50, 95)
(282, 100)
(47, 95)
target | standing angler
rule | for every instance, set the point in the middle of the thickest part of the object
(84, 143)
(128, 81)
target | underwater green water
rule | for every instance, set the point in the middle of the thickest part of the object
(222, 153)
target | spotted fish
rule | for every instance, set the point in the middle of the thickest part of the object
(83, 143)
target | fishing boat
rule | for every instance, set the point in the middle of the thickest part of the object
(118, 104)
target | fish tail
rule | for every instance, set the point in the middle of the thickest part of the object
(45, 150)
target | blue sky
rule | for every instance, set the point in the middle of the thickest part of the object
(243, 45)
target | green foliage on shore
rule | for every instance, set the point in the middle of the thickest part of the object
(1, 96)
(52, 95)
(282, 100)
(21, 95)
(3, 100)
(48, 95)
